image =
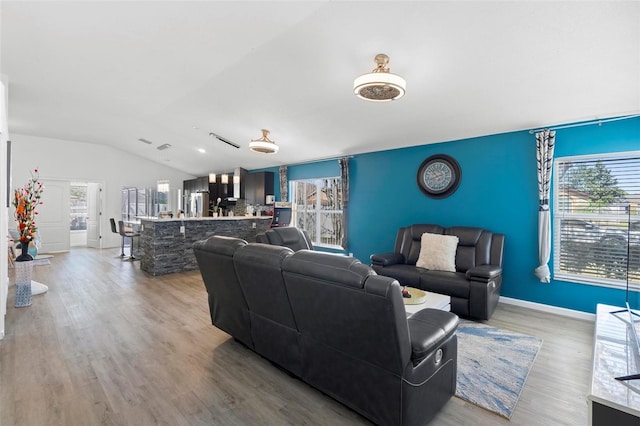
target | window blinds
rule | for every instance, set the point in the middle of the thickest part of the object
(596, 219)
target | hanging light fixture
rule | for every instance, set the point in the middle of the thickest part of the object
(263, 144)
(380, 85)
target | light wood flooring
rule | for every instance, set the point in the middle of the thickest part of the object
(109, 344)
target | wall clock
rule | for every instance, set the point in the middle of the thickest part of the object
(439, 176)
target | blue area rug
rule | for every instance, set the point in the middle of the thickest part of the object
(493, 365)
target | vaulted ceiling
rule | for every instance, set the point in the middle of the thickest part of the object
(172, 72)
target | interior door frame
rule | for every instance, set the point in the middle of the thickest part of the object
(100, 209)
(59, 220)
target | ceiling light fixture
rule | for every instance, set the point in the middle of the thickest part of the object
(263, 144)
(221, 139)
(202, 151)
(380, 85)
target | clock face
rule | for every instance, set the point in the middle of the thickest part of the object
(439, 176)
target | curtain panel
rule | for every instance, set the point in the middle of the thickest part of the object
(284, 184)
(344, 175)
(545, 142)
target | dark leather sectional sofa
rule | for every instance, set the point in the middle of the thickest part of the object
(334, 323)
(475, 285)
(288, 236)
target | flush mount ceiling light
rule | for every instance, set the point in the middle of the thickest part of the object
(380, 85)
(263, 144)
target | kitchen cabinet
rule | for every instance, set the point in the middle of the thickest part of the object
(259, 185)
(200, 184)
(220, 190)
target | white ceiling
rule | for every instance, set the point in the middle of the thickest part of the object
(174, 71)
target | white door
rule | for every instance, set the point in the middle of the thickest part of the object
(94, 214)
(54, 215)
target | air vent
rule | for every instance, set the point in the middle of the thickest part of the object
(164, 146)
(145, 141)
(221, 139)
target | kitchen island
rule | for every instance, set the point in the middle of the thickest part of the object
(166, 244)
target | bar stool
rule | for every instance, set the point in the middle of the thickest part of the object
(115, 231)
(126, 234)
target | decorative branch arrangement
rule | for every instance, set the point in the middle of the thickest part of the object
(26, 200)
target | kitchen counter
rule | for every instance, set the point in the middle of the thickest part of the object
(184, 219)
(166, 244)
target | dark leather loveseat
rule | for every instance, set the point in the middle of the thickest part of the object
(475, 285)
(334, 323)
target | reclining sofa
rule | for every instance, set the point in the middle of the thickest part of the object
(475, 284)
(334, 323)
(288, 236)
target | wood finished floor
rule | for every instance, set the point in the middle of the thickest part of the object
(111, 345)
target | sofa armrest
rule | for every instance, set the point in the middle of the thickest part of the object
(428, 328)
(484, 273)
(387, 259)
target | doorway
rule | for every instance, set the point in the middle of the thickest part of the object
(71, 215)
(84, 214)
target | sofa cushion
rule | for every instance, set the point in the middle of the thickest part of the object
(343, 270)
(474, 246)
(438, 252)
(409, 242)
(455, 284)
(289, 236)
(406, 274)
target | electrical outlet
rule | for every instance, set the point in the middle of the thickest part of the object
(253, 225)
(182, 229)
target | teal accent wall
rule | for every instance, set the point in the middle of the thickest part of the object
(498, 192)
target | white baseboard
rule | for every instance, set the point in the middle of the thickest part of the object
(548, 308)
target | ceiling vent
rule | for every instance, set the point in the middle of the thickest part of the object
(163, 147)
(145, 141)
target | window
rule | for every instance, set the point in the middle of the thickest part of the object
(317, 208)
(596, 219)
(78, 207)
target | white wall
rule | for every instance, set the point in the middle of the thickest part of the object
(4, 211)
(85, 162)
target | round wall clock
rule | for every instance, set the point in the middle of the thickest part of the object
(439, 176)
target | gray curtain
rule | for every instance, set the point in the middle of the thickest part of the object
(545, 141)
(284, 184)
(344, 175)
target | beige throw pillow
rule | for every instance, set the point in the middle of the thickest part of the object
(438, 252)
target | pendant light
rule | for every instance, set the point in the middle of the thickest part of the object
(263, 144)
(380, 85)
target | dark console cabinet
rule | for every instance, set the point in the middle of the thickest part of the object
(259, 185)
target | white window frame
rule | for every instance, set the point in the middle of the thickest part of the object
(559, 215)
(316, 234)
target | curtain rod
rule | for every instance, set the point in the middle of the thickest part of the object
(319, 160)
(586, 123)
